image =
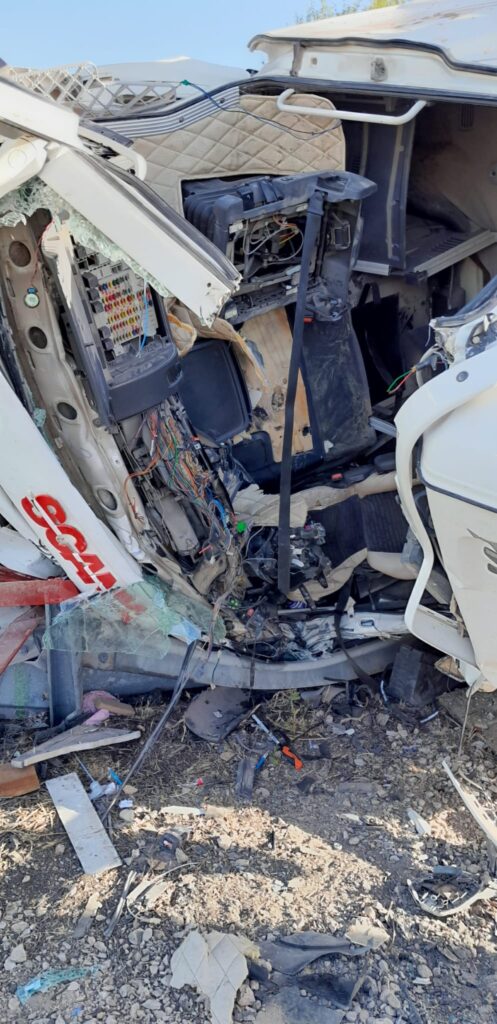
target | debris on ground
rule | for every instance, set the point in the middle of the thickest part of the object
(17, 781)
(422, 827)
(213, 714)
(216, 966)
(364, 932)
(95, 850)
(82, 737)
(449, 893)
(333, 863)
(289, 954)
(50, 979)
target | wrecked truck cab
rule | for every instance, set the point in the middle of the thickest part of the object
(260, 393)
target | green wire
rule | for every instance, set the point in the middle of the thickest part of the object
(399, 378)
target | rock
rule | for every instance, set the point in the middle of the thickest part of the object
(245, 996)
(18, 954)
(152, 1004)
(127, 814)
(263, 793)
(19, 927)
(424, 971)
(60, 849)
(393, 1001)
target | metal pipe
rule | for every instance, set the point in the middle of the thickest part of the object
(348, 115)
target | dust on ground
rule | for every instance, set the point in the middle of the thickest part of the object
(314, 849)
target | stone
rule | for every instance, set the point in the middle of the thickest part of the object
(424, 971)
(393, 1001)
(245, 996)
(18, 954)
(60, 849)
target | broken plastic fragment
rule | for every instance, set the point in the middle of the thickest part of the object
(51, 978)
(216, 966)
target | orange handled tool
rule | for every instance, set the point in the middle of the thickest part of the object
(282, 743)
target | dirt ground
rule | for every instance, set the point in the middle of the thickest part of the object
(315, 849)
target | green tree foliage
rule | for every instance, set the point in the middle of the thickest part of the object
(318, 9)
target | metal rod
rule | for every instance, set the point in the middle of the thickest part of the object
(348, 115)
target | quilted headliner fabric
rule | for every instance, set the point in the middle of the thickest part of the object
(234, 142)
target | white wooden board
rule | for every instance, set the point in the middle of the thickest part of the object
(85, 830)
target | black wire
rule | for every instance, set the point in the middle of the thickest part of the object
(296, 132)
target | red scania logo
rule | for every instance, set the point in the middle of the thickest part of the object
(48, 513)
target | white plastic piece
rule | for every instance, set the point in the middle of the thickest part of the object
(348, 115)
(54, 509)
(422, 827)
(95, 851)
(20, 159)
(41, 117)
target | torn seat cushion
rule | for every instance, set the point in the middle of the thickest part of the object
(235, 142)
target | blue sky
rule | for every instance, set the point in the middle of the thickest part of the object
(40, 33)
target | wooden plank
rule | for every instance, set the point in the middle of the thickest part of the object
(273, 337)
(15, 634)
(36, 592)
(81, 737)
(91, 843)
(17, 781)
(116, 707)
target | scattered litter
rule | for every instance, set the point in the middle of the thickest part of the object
(442, 895)
(51, 978)
(179, 686)
(96, 789)
(214, 713)
(113, 706)
(179, 811)
(281, 742)
(291, 953)
(121, 903)
(216, 966)
(364, 933)
(158, 888)
(245, 776)
(479, 814)
(17, 781)
(123, 804)
(93, 847)
(83, 924)
(315, 750)
(169, 842)
(82, 737)
(289, 1006)
(114, 777)
(422, 827)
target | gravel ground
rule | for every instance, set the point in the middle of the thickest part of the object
(315, 849)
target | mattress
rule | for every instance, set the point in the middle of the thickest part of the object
(253, 138)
